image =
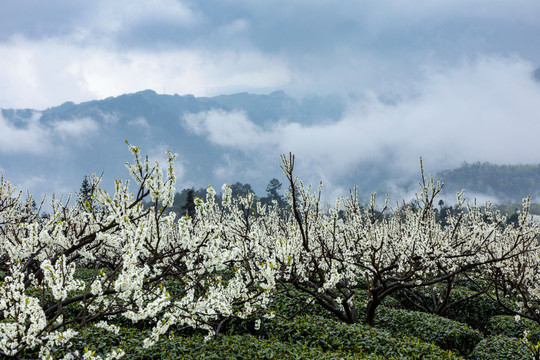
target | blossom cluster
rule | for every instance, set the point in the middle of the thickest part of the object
(230, 258)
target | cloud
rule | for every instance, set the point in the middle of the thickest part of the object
(158, 154)
(81, 50)
(31, 182)
(38, 19)
(457, 72)
(85, 22)
(287, 23)
(139, 122)
(481, 110)
(232, 129)
(123, 13)
(75, 128)
(30, 137)
(50, 72)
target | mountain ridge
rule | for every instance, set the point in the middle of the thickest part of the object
(89, 137)
(75, 140)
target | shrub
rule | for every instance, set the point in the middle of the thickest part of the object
(475, 312)
(244, 347)
(508, 326)
(85, 274)
(445, 333)
(296, 302)
(329, 335)
(196, 347)
(501, 347)
(362, 296)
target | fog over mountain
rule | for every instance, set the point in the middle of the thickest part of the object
(52, 150)
(374, 141)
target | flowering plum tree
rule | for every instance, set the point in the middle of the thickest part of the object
(134, 253)
(518, 278)
(407, 249)
(227, 260)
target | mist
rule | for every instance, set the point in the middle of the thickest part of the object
(481, 110)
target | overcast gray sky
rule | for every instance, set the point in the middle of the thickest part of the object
(458, 70)
(58, 50)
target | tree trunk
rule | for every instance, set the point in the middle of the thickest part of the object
(372, 305)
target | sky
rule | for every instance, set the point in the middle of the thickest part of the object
(449, 80)
(59, 50)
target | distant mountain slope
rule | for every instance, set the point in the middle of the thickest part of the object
(52, 149)
(508, 183)
(162, 108)
(74, 140)
(278, 105)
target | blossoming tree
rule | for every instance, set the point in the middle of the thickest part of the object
(134, 251)
(229, 259)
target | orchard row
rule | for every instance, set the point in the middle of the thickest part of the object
(230, 259)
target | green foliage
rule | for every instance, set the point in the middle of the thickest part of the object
(196, 347)
(463, 305)
(445, 333)
(85, 274)
(272, 193)
(247, 347)
(501, 348)
(507, 182)
(315, 333)
(361, 299)
(508, 326)
(306, 337)
(330, 335)
(295, 302)
(85, 193)
(475, 312)
(189, 206)
(181, 199)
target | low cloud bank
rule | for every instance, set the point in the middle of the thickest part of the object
(483, 110)
(29, 135)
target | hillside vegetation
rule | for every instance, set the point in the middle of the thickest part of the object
(505, 183)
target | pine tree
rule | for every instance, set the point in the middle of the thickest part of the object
(272, 189)
(85, 193)
(189, 206)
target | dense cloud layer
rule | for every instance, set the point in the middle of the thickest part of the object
(76, 50)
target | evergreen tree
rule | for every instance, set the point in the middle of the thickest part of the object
(85, 193)
(239, 189)
(189, 207)
(272, 189)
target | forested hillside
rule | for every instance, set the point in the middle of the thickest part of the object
(224, 139)
(506, 183)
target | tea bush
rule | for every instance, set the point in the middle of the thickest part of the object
(501, 348)
(319, 332)
(445, 333)
(507, 325)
